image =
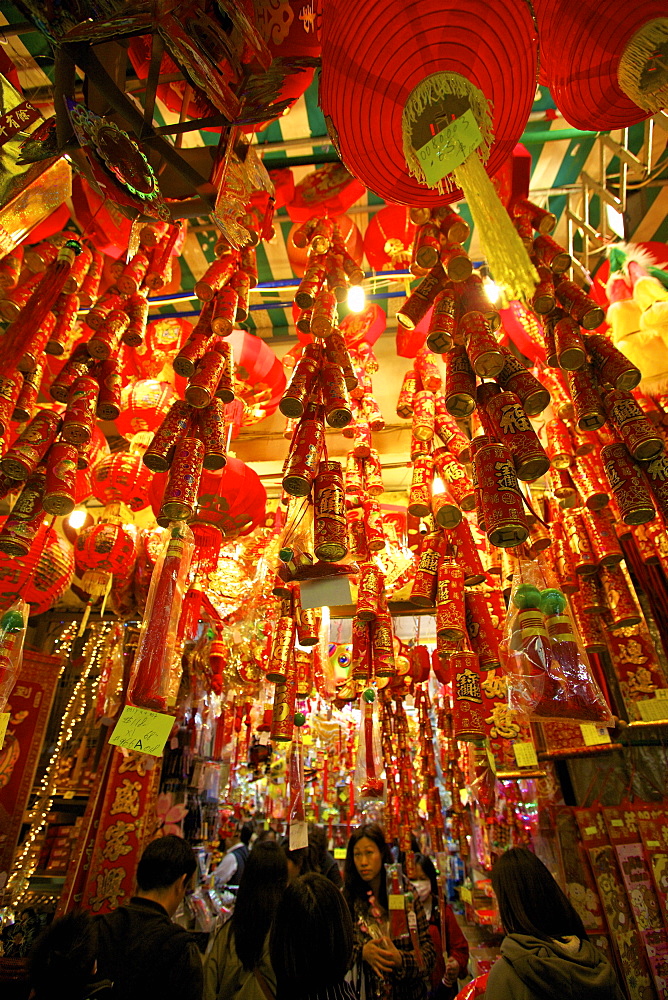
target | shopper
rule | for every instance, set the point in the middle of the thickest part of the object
(448, 939)
(382, 966)
(299, 860)
(312, 942)
(545, 954)
(137, 946)
(228, 873)
(321, 860)
(238, 965)
(61, 964)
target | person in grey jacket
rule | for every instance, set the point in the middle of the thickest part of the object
(545, 954)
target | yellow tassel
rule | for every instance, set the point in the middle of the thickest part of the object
(506, 254)
(643, 68)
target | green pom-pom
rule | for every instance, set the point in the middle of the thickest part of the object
(11, 621)
(526, 596)
(299, 719)
(369, 695)
(552, 602)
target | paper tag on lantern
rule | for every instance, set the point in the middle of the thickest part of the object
(339, 854)
(594, 735)
(142, 730)
(652, 709)
(4, 722)
(395, 901)
(449, 148)
(525, 754)
(298, 835)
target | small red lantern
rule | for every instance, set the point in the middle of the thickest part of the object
(104, 550)
(122, 478)
(52, 574)
(388, 241)
(259, 376)
(144, 403)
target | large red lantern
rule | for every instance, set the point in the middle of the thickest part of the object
(52, 574)
(122, 478)
(144, 404)
(232, 499)
(259, 376)
(104, 550)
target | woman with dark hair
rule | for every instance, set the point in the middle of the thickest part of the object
(312, 941)
(299, 860)
(61, 964)
(238, 964)
(399, 968)
(545, 954)
(321, 860)
(449, 939)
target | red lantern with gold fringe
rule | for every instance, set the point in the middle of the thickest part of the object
(144, 404)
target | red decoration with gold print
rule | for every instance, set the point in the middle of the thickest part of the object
(628, 484)
(61, 476)
(468, 715)
(450, 615)
(459, 391)
(30, 448)
(637, 433)
(180, 497)
(423, 592)
(505, 523)
(305, 452)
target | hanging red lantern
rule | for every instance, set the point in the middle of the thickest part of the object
(393, 53)
(232, 499)
(388, 241)
(16, 571)
(52, 574)
(104, 550)
(330, 190)
(122, 478)
(144, 404)
(259, 376)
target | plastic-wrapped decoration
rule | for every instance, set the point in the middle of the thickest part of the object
(149, 681)
(369, 779)
(13, 625)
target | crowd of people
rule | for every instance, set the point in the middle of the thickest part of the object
(301, 931)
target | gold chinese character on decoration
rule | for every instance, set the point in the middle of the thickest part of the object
(116, 840)
(502, 721)
(513, 418)
(631, 652)
(126, 799)
(495, 687)
(133, 762)
(108, 889)
(468, 686)
(505, 476)
(658, 468)
(640, 682)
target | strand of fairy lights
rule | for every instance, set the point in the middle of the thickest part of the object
(26, 861)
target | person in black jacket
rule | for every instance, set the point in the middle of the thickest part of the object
(545, 954)
(61, 963)
(138, 947)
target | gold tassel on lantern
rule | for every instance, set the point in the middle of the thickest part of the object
(506, 254)
(642, 74)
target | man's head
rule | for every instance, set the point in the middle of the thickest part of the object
(164, 871)
(246, 833)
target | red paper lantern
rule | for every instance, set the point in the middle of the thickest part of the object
(16, 571)
(53, 572)
(364, 327)
(372, 62)
(581, 48)
(122, 478)
(102, 551)
(232, 500)
(259, 376)
(388, 241)
(331, 190)
(144, 403)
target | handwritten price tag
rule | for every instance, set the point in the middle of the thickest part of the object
(298, 835)
(339, 854)
(142, 730)
(4, 722)
(449, 148)
(594, 735)
(525, 754)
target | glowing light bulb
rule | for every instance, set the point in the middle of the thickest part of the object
(356, 298)
(492, 290)
(438, 486)
(77, 518)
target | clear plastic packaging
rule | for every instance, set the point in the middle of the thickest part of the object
(13, 625)
(369, 774)
(150, 680)
(543, 657)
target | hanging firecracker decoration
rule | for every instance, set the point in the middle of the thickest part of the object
(157, 644)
